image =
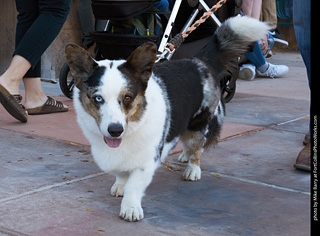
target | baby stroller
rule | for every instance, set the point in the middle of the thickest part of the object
(113, 45)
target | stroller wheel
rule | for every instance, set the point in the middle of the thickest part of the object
(228, 93)
(228, 88)
(66, 81)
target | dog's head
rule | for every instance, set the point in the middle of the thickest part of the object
(113, 92)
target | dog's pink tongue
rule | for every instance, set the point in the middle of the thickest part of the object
(112, 142)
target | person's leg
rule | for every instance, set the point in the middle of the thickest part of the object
(34, 94)
(247, 7)
(247, 71)
(302, 28)
(11, 78)
(269, 13)
(256, 9)
(265, 69)
(257, 58)
(35, 34)
(27, 14)
(36, 29)
(46, 27)
(162, 5)
(251, 8)
(52, 15)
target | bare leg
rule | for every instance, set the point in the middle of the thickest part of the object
(35, 95)
(247, 7)
(12, 76)
(252, 8)
(256, 9)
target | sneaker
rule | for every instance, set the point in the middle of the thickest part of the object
(274, 71)
(247, 72)
(277, 38)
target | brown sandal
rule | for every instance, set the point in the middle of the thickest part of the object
(50, 106)
(12, 103)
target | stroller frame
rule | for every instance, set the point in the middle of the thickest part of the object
(173, 16)
(228, 83)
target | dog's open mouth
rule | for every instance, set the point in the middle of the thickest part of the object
(112, 142)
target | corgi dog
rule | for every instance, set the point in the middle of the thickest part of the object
(134, 111)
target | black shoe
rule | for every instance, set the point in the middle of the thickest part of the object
(278, 41)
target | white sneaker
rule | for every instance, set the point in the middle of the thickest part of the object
(247, 72)
(274, 71)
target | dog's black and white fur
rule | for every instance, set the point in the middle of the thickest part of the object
(134, 112)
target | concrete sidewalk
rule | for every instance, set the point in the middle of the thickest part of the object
(49, 184)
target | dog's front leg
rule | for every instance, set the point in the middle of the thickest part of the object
(137, 183)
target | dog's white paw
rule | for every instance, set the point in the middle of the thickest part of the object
(131, 213)
(117, 190)
(183, 158)
(192, 172)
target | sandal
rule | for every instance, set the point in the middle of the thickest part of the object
(50, 106)
(12, 103)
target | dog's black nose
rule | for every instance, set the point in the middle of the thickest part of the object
(115, 129)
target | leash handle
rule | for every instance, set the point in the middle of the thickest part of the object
(179, 38)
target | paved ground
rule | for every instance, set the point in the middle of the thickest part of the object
(49, 184)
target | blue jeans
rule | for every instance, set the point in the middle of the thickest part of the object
(162, 5)
(302, 28)
(256, 56)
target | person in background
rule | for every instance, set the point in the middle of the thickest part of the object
(39, 22)
(257, 64)
(269, 14)
(302, 28)
(162, 5)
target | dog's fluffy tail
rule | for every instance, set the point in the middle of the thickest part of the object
(245, 28)
(233, 37)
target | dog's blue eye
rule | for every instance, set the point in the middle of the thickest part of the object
(98, 99)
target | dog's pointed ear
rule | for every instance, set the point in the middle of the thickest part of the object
(80, 63)
(141, 61)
